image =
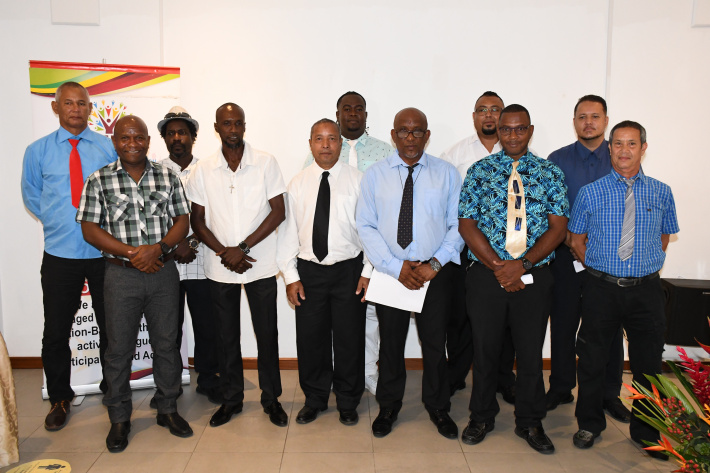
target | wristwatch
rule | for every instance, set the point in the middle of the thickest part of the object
(435, 265)
(193, 242)
(164, 248)
(244, 247)
(527, 265)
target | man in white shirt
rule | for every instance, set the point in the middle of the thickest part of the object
(361, 152)
(459, 341)
(179, 131)
(237, 203)
(321, 258)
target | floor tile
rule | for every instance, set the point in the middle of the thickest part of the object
(420, 463)
(327, 434)
(301, 462)
(140, 463)
(209, 462)
(243, 434)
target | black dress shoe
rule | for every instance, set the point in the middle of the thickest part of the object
(554, 399)
(117, 439)
(536, 438)
(617, 410)
(508, 393)
(57, 416)
(224, 413)
(475, 432)
(277, 415)
(307, 414)
(177, 425)
(348, 416)
(443, 423)
(584, 439)
(383, 422)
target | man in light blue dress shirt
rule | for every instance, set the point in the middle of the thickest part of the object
(412, 239)
(68, 260)
(361, 151)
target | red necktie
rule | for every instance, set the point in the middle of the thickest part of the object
(75, 175)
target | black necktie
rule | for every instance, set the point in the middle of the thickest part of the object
(404, 227)
(321, 219)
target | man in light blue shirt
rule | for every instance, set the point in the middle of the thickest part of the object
(361, 152)
(407, 221)
(51, 189)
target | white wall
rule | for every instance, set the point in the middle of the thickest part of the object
(287, 62)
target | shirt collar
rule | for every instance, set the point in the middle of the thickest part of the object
(333, 172)
(64, 135)
(117, 166)
(362, 140)
(247, 158)
(505, 158)
(394, 160)
(585, 153)
(641, 177)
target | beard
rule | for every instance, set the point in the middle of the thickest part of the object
(489, 132)
(591, 138)
(231, 145)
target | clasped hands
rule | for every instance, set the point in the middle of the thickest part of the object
(146, 258)
(414, 274)
(235, 259)
(508, 274)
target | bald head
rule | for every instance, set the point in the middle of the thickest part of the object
(229, 106)
(230, 126)
(408, 113)
(131, 140)
(410, 134)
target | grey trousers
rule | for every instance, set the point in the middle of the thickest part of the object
(128, 294)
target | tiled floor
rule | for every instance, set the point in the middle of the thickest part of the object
(250, 443)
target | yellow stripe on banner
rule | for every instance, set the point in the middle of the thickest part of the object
(102, 78)
(157, 80)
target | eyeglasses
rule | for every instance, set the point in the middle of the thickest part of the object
(177, 115)
(519, 130)
(404, 134)
(484, 110)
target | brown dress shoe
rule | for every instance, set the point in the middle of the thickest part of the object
(57, 417)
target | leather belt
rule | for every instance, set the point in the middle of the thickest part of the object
(621, 282)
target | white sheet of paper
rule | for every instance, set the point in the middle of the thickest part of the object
(386, 290)
(527, 279)
(578, 266)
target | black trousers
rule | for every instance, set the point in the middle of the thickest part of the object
(564, 322)
(492, 309)
(62, 284)
(459, 340)
(330, 333)
(606, 308)
(431, 326)
(199, 301)
(226, 299)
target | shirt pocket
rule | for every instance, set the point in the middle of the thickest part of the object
(118, 207)
(158, 203)
(345, 208)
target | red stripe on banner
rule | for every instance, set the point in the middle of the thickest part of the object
(121, 82)
(141, 373)
(83, 66)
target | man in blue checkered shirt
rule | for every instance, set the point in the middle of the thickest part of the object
(620, 229)
(136, 212)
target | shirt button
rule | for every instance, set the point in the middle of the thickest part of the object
(141, 209)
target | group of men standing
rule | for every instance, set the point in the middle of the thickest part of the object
(485, 231)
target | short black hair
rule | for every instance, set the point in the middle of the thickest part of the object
(514, 108)
(490, 93)
(352, 92)
(324, 120)
(591, 98)
(190, 126)
(629, 124)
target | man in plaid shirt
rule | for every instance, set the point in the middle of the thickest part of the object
(135, 212)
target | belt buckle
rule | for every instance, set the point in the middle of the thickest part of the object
(620, 283)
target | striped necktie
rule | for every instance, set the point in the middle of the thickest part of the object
(628, 228)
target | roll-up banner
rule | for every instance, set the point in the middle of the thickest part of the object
(115, 91)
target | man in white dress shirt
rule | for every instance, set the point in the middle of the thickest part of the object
(321, 258)
(459, 341)
(237, 203)
(360, 150)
